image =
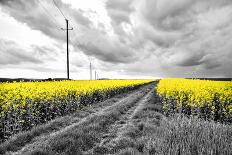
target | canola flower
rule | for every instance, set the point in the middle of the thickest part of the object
(22, 92)
(203, 97)
(25, 104)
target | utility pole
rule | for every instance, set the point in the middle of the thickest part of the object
(95, 75)
(90, 70)
(67, 29)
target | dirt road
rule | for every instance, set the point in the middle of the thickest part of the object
(127, 124)
(108, 127)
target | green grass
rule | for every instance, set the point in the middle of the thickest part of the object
(154, 133)
(181, 135)
(148, 131)
(19, 140)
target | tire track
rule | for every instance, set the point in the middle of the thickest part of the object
(96, 125)
(117, 130)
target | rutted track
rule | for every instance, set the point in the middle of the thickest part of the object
(96, 130)
(128, 124)
(118, 128)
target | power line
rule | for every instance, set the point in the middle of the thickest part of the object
(59, 9)
(48, 14)
(67, 29)
(55, 21)
(75, 36)
(77, 44)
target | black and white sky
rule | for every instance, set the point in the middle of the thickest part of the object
(122, 38)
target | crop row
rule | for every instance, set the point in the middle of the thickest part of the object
(26, 104)
(207, 99)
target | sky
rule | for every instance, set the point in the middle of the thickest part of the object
(121, 38)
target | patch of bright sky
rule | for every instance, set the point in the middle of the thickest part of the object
(20, 32)
(27, 73)
(95, 11)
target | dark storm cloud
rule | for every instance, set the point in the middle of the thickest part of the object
(167, 15)
(36, 58)
(182, 37)
(196, 59)
(35, 16)
(169, 22)
(163, 37)
(192, 61)
(72, 13)
(45, 53)
(119, 10)
(177, 14)
(195, 36)
(11, 53)
(105, 48)
(31, 13)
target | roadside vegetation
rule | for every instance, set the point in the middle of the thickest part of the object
(199, 117)
(26, 104)
(134, 123)
(203, 98)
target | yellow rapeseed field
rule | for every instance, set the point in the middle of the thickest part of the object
(204, 97)
(24, 104)
(19, 94)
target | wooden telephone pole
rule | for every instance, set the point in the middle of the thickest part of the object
(67, 29)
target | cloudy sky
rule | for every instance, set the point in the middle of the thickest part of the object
(122, 38)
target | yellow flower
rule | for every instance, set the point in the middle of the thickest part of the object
(197, 93)
(24, 93)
